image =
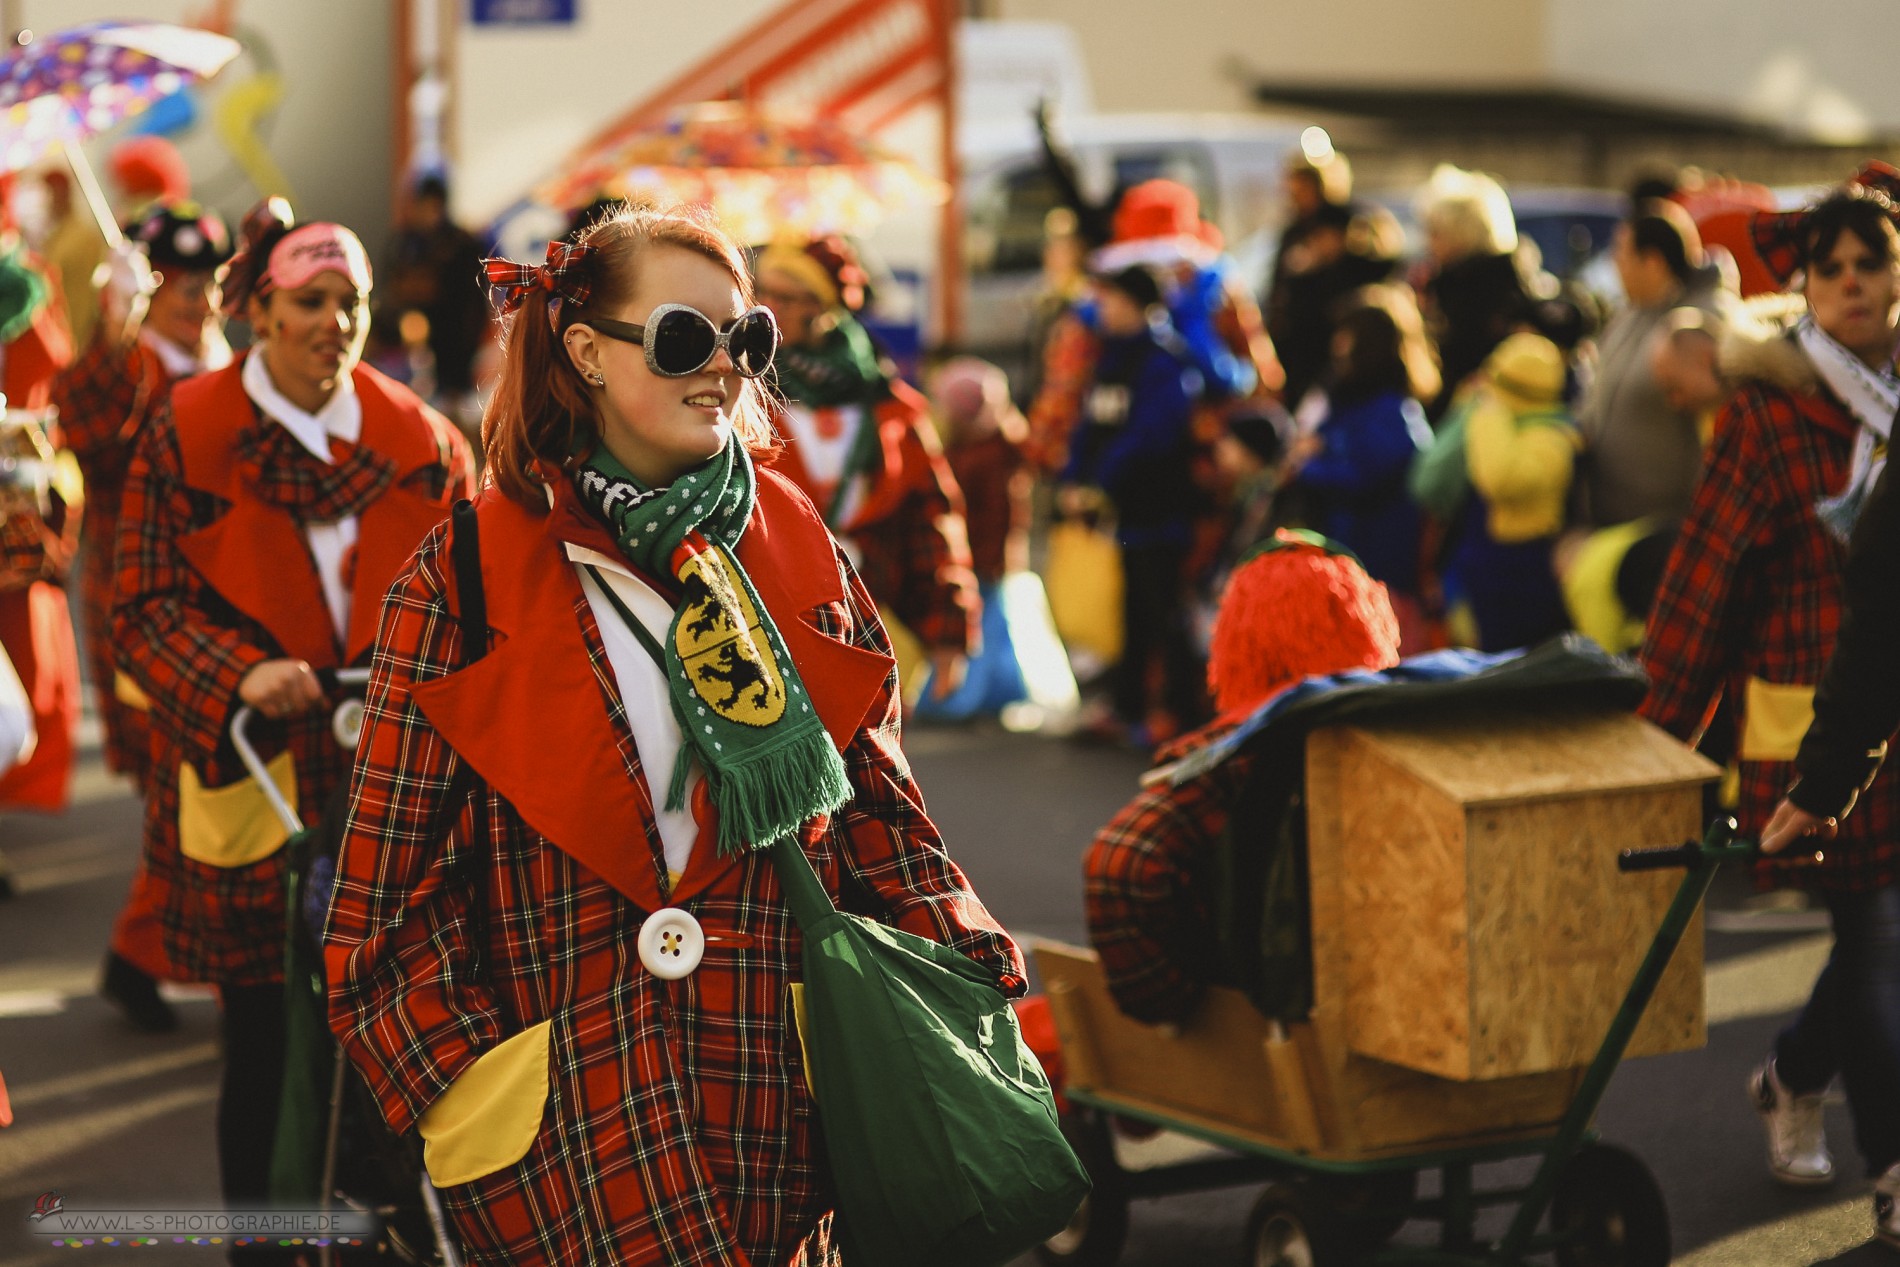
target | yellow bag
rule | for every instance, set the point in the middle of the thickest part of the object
(1083, 577)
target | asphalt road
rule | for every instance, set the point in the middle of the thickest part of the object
(106, 1116)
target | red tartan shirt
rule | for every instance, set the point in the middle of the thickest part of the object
(1753, 590)
(1148, 917)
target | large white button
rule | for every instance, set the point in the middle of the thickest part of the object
(671, 943)
(347, 723)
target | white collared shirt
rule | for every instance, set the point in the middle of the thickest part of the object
(181, 362)
(341, 417)
(643, 691)
(824, 456)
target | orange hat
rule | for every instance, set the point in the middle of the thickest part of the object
(150, 167)
(1158, 222)
(1157, 209)
(1299, 606)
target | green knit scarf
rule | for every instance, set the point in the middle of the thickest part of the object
(23, 292)
(743, 712)
(841, 368)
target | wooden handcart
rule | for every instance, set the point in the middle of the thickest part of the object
(1481, 964)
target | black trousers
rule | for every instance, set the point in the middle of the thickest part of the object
(252, 1027)
(1155, 624)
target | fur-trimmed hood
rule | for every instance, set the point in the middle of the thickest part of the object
(1756, 347)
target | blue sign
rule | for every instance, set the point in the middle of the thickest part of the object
(522, 12)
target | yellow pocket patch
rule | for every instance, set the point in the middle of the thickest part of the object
(128, 693)
(913, 658)
(233, 826)
(799, 1024)
(1774, 719)
(489, 1116)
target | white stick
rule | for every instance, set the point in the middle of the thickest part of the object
(95, 197)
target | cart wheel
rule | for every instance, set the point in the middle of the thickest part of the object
(1289, 1229)
(1099, 1225)
(1610, 1211)
(1366, 1211)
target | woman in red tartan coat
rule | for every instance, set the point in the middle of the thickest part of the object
(532, 835)
(105, 399)
(267, 509)
(1747, 612)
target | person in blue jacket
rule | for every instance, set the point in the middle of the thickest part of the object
(1350, 473)
(1132, 455)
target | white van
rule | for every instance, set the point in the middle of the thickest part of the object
(1234, 162)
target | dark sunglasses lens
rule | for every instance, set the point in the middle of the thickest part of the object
(682, 342)
(754, 340)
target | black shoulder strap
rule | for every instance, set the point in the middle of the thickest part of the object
(465, 554)
(465, 551)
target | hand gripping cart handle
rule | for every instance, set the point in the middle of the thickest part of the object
(346, 726)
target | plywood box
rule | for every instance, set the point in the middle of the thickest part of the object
(1235, 1075)
(1468, 917)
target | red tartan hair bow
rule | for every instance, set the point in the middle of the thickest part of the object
(559, 275)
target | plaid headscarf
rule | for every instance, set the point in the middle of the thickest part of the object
(560, 275)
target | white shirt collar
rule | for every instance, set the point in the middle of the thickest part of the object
(605, 562)
(181, 362)
(341, 415)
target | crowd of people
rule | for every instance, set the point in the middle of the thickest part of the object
(710, 497)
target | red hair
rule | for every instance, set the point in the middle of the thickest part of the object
(1296, 610)
(542, 413)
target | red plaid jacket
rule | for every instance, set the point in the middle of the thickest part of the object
(914, 549)
(1753, 590)
(105, 399)
(1143, 893)
(677, 1127)
(212, 582)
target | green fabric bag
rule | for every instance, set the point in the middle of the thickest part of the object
(938, 1121)
(303, 1108)
(1438, 479)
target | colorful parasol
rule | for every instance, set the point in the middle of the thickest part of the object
(78, 82)
(765, 173)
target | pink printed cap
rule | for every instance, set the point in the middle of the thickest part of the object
(310, 249)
